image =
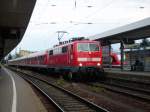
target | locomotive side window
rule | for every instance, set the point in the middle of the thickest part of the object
(57, 51)
(51, 52)
(39, 58)
(64, 49)
(42, 58)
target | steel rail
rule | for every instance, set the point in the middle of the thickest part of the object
(129, 87)
(59, 108)
(88, 103)
(123, 90)
(129, 80)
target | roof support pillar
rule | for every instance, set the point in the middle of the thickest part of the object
(110, 62)
(1, 46)
(122, 53)
(144, 55)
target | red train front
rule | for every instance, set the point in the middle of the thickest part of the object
(76, 57)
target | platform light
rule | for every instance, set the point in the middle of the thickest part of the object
(53, 23)
(89, 6)
(53, 5)
(141, 7)
(89, 23)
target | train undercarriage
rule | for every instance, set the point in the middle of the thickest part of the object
(69, 73)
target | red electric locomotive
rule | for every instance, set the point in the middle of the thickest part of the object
(72, 58)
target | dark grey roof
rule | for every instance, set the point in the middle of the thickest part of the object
(14, 18)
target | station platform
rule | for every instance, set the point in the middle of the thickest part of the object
(16, 94)
(119, 71)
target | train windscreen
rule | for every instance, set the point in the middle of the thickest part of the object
(88, 47)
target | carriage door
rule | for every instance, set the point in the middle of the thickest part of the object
(70, 53)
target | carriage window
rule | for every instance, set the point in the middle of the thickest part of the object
(41, 58)
(64, 49)
(51, 52)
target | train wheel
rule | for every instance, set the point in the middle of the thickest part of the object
(67, 75)
(100, 75)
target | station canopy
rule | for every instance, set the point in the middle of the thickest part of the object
(127, 33)
(14, 18)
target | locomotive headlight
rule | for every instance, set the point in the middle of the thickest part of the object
(98, 64)
(80, 64)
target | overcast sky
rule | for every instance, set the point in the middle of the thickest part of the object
(75, 16)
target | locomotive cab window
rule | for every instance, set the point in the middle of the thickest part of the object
(88, 47)
(83, 47)
(64, 49)
(94, 47)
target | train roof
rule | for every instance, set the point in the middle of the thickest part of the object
(61, 45)
(41, 53)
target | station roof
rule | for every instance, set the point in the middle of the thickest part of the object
(127, 33)
(14, 18)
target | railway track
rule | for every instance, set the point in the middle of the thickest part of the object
(64, 100)
(126, 87)
(134, 81)
(128, 84)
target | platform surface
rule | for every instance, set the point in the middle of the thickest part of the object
(16, 95)
(119, 71)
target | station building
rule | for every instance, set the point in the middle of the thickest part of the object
(24, 53)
